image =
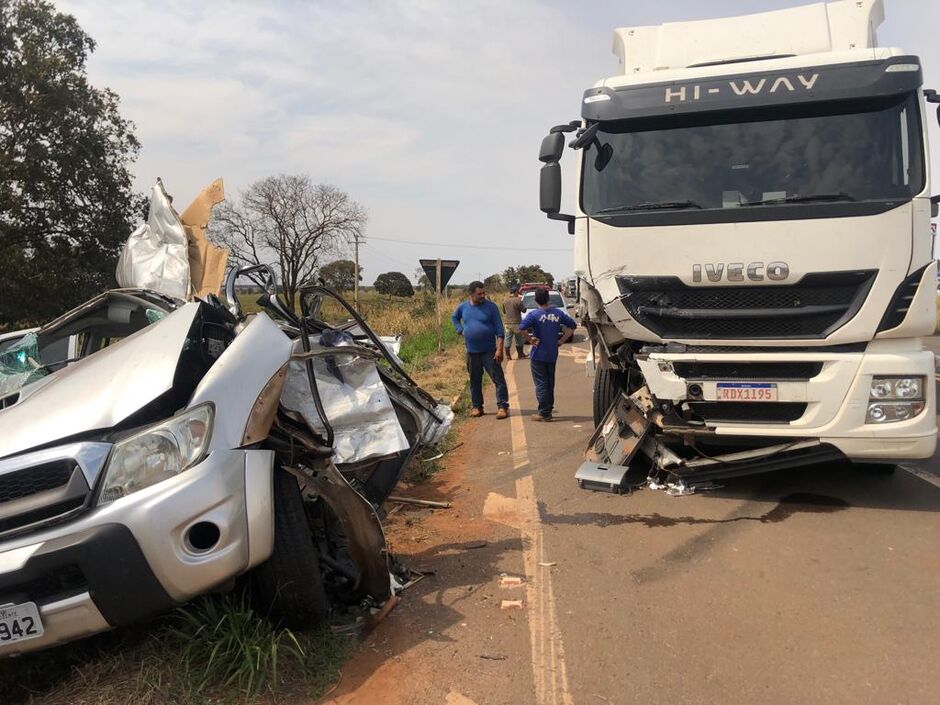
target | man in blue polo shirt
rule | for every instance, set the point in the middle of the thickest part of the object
(543, 329)
(478, 321)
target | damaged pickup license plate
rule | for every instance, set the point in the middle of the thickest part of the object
(745, 391)
(19, 622)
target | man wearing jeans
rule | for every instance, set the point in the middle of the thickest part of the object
(543, 328)
(478, 321)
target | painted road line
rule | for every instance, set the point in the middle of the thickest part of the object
(549, 670)
(922, 474)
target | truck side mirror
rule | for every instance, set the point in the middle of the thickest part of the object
(932, 96)
(552, 147)
(550, 187)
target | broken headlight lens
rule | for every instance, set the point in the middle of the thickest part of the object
(157, 453)
(895, 399)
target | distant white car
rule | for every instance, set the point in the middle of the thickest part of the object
(554, 298)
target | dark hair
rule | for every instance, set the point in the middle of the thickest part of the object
(474, 285)
(541, 296)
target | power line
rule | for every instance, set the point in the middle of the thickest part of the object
(470, 247)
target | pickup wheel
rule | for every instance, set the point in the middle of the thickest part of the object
(289, 584)
(608, 385)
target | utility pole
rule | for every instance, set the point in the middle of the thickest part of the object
(356, 277)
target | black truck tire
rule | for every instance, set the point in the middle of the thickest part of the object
(289, 584)
(608, 385)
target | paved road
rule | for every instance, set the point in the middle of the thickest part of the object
(818, 585)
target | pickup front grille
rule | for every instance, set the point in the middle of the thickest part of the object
(40, 478)
(33, 495)
(769, 371)
(812, 308)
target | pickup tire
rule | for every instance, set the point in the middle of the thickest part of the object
(608, 386)
(289, 584)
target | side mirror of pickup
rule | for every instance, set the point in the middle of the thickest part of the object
(553, 146)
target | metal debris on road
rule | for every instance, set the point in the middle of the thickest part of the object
(487, 657)
(419, 502)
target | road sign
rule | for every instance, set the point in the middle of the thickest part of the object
(447, 271)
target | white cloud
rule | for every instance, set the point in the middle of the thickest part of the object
(429, 113)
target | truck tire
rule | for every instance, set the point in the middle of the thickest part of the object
(289, 584)
(608, 385)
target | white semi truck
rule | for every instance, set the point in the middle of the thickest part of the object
(753, 244)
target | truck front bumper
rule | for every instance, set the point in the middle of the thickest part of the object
(831, 405)
(138, 556)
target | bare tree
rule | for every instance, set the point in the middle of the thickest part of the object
(289, 221)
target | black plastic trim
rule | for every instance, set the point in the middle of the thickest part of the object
(863, 79)
(901, 300)
(119, 579)
(786, 211)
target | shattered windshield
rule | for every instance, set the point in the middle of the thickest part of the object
(837, 152)
(77, 334)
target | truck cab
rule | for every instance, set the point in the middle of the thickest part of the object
(752, 232)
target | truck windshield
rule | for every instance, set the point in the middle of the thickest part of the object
(858, 150)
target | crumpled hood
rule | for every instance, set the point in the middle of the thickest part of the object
(100, 391)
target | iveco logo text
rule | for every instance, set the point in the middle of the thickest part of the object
(742, 88)
(737, 271)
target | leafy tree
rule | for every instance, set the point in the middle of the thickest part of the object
(394, 284)
(494, 281)
(66, 202)
(290, 221)
(422, 279)
(340, 275)
(527, 273)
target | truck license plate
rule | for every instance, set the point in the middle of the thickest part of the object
(746, 391)
(19, 622)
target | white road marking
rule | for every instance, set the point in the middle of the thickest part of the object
(549, 670)
(922, 474)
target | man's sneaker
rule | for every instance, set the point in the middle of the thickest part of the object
(539, 417)
(502, 413)
(476, 412)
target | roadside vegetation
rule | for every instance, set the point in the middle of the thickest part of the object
(219, 650)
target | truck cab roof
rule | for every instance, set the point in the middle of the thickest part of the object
(822, 28)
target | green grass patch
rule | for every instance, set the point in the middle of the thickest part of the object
(216, 651)
(422, 345)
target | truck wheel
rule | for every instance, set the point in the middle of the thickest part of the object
(608, 385)
(289, 584)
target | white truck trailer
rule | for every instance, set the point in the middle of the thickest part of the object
(753, 243)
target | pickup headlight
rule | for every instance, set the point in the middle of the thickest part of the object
(895, 399)
(157, 453)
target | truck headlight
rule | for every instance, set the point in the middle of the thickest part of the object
(895, 399)
(157, 453)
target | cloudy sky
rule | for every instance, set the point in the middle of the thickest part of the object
(428, 113)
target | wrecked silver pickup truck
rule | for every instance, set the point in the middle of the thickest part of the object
(153, 449)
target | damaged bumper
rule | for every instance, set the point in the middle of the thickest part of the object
(680, 428)
(142, 554)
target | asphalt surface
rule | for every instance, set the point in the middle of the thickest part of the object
(815, 585)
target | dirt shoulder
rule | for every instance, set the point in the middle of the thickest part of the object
(449, 638)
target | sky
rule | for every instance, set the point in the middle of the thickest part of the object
(430, 114)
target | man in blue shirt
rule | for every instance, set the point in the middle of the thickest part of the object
(478, 321)
(543, 328)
